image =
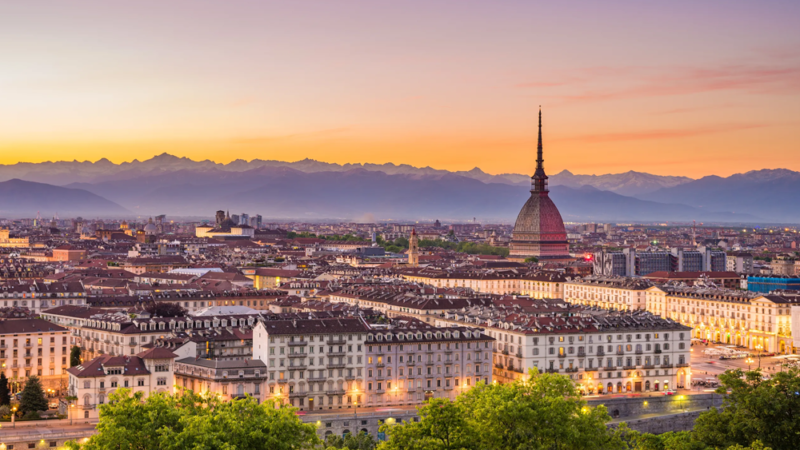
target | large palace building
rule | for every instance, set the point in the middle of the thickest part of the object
(539, 231)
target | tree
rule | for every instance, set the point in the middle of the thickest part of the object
(754, 410)
(189, 420)
(360, 441)
(532, 259)
(75, 356)
(443, 425)
(539, 412)
(33, 399)
(5, 397)
(163, 309)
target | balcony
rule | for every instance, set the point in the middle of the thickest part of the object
(572, 370)
(666, 366)
(85, 407)
(638, 352)
(297, 355)
(315, 379)
(336, 342)
(335, 392)
(590, 369)
(297, 343)
(380, 364)
(609, 369)
(648, 366)
(298, 367)
(682, 365)
(581, 354)
(564, 355)
(411, 363)
(551, 371)
(349, 377)
(628, 367)
(297, 394)
(337, 353)
(335, 365)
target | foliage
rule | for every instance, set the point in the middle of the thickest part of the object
(33, 398)
(304, 234)
(163, 309)
(471, 248)
(189, 420)
(532, 259)
(5, 397)
(75, 356)
(360, 441)
(540, 412)
(754, 410)
(5, 411)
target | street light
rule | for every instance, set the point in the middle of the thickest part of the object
(749, 361)
(13, 417)
(69, 411)
(759, 347)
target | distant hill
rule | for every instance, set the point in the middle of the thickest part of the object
(588, 203)
(769, 193)
(281, 192)
(24, 198)
(67, 172)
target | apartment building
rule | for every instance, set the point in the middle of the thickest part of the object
(409, 365)
(99, 331)
(38, 296)
(313, 364)
(621, 293)
(500, 282)
(407, 300)
(602, 352)
(34, 347)
(93, 381)
(749, 319)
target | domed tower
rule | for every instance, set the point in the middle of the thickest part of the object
(539, 231)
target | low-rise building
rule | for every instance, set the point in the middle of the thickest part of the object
(229, 379)
(93, 381)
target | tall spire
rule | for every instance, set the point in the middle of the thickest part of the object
(539, 160)
(539, 179)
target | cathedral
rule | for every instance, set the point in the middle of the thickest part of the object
(539, 231)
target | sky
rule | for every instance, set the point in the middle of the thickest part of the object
(672, 88)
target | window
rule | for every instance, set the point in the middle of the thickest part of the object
(162, 381)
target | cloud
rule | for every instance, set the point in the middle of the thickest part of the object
(661, 134)
(776, 76)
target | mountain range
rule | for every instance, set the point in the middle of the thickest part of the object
(310, 189)
(26, 198)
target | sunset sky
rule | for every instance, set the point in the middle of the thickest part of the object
(675, 88)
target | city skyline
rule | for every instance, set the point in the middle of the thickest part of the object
(694, 90)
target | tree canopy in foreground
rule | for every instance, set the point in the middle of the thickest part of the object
(542, 412)
(192, 421)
